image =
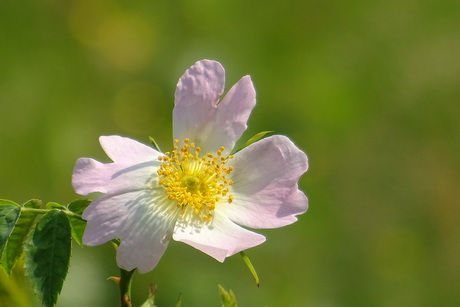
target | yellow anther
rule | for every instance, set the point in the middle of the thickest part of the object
(194, 181)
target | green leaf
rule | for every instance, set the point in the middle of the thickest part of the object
(78, 206)
(78, 225)
(254, 139)
(250, 267)
(48, 255)
(12, 291)
(9, 214)
(227, 297)
(16, 242)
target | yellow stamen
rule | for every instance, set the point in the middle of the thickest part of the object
(196, 182)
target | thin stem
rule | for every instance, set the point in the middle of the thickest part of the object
(44, 211)
(39, 211)
(126, 279)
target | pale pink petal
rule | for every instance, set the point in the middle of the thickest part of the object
(265, 180)
(219, 239)
(91, 176)
(143, 221)
(105, 215)
(199, 116)
(231, 116)
(296, 203)
(146, 232)
(197, 94)
(126, 150)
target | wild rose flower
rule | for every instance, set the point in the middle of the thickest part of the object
(197, 193)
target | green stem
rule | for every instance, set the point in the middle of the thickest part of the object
(44, 211)
(39, 211)
(126, 279)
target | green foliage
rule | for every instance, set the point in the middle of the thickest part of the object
(254, 139)
(48, 255)
(227, 297)
(15, 245)
(12, 291)
(46, 235)
(76, 222)
(9, 214)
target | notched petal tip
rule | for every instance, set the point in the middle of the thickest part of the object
(203, 82)
(266, 184)
(295, 204)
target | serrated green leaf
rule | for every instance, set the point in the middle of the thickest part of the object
(9, 214)
(48, 255)
(53, 205)
(16, 242)
(254, 139)
(78, 225)
(227, 298)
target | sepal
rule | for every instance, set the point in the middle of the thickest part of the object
(254, 139)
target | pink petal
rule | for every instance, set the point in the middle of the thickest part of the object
(143, 221)
(231, 116)
(196, 98)
(146, 232)
(90, 176)
(219, 239)
(105, 215)
(197, 113)
(126, 150)
(265, 180)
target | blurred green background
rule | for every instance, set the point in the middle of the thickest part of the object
(368, 89)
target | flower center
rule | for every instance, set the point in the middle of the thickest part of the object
(196, 182)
